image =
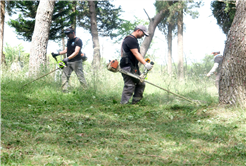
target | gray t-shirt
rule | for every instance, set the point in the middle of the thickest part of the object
(218, 59)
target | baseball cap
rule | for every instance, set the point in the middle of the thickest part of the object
(143, 28)
(214, 52)
(68, 30)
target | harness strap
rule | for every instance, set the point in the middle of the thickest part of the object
(123, 53)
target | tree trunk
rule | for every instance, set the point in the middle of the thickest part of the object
(151, 30)
(63, 46)
(2, 10)
(169, 41)
(94, 33)
(180, 44)
(40, 35)
(232, 85)
(74, 19)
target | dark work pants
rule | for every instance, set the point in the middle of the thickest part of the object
(131, 87)
(67, 71)
(217, 79)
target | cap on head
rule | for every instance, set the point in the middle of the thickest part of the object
(142, 28)
(216, 52)
(69, 30)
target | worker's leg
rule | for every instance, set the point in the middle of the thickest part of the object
(129, 87)
(138, 93)
(66, 75)
(78, 68)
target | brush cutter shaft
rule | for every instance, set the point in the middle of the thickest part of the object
(41, 77)
(168, 91)
(130, 74)
(143, 80)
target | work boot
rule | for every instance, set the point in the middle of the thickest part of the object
(65, 91)
(126, 102)
(135, 102)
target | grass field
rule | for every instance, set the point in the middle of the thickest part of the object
(42, 126)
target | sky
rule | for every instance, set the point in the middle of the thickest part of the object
(201, 35)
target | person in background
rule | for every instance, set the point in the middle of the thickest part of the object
(130, 56)
(218, 58)
(73, 60)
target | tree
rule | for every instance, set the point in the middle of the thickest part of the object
(94, 33)
(232, 85)
(24, 25)
(153, 23)
(40, 35)
(8, 5)
(183, 7)
(2, 10)
(167, 26)
(67, 14)
(101, 19)
(180, 42)
(174, 18)
(224, 13)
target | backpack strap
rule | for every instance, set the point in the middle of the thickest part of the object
(77, 39)
(123, 53)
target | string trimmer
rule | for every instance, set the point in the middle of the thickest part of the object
(114, 67)
(61, 65)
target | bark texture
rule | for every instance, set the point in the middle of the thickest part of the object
(232, 85)
(40, 36)
(2, 10)
(151, 30)
(74, 19)
(169, 41)
(180, 45)
(95, 38)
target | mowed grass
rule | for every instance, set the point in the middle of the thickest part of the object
(42, 126)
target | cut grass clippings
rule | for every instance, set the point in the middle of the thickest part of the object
(42, 126)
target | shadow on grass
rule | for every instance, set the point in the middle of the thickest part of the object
(89, 129)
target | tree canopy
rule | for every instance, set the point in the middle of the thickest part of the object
(171, 12)
(107, 17)
(24, 24)
(224, 13)
(64, 16)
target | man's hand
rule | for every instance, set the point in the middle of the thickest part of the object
(208, 75)
(65, 60)
(148, 66)
(55, 54)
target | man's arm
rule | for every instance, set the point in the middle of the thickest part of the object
(138, 55)
(63, 52)
(216, 65)
(77, 48)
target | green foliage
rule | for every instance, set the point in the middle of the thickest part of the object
(63, 17)
(127, 27)
(172, 8)
(9, 5)
(201, 68)
(24, 24)
(224, 13)
(15, 53)
(107, 17)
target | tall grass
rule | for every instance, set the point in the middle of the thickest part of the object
(43, 126)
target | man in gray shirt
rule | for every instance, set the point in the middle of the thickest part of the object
(218, 58)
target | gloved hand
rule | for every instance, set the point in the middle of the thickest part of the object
(148, 66)
(65, 60)
(55, 54)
